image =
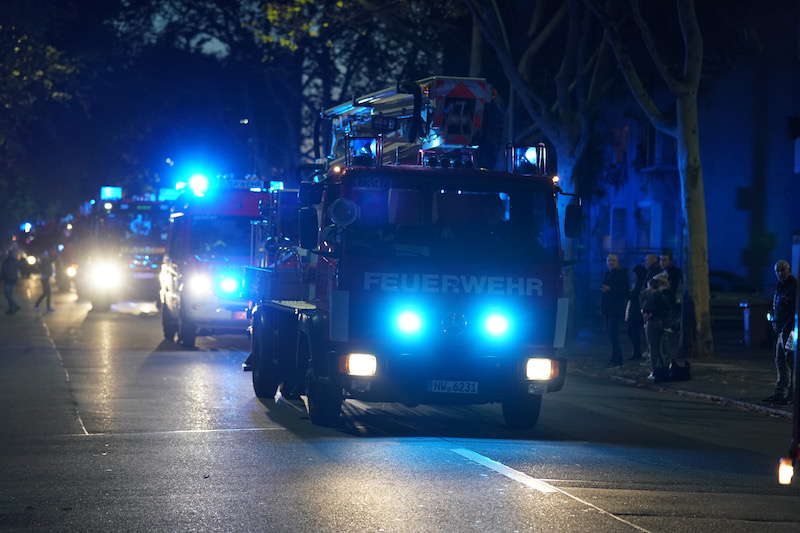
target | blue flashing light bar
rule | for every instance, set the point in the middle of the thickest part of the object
(110, 193)
(26, 227)
(275, 186)
(256, 189)
(167, 195)
(180, 185)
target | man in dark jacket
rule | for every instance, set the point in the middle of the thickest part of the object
(633, 313)
(46, 272)
(613, 300)
(655, 310)
(783, 324)
(10, 274)
(653, 267)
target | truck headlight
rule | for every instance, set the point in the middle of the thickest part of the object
(71, 271)
(199, 284)
(360, 364)
(540, 369)
(105, 275)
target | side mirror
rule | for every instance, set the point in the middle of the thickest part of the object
(573, 221)
(309, 193)
(309, 227)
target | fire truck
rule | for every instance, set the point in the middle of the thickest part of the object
(403, 273)
(118, 249)
(209, 244)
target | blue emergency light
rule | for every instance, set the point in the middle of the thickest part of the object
(275, 186)
(26, 227)
(111, 193)
(199, 184)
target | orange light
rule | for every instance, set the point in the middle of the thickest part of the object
(785, 471)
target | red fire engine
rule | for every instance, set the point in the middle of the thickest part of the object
(208, 245)
(421, 283)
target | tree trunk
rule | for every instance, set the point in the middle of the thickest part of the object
(694, 211)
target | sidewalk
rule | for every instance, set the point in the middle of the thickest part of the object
(735, 376)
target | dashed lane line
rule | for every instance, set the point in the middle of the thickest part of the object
(66, 374)
(534, 483)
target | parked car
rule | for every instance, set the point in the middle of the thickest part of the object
(730, 295)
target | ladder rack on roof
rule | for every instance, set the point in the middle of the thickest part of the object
(436, 115)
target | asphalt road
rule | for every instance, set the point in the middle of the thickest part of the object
(107, 427)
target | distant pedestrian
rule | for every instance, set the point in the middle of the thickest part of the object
(783, 323)
(10, 275)
(615, 294)
(46, 273)
(655, 311)
(652, 266)
(633, 312)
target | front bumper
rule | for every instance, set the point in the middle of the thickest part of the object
(218, 315)
(413, 378)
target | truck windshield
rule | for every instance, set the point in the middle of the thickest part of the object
(220, 236)
(136, 225)
(459, 224)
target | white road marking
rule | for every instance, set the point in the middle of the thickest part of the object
(534, 483)
(66, 373)
(177, 432)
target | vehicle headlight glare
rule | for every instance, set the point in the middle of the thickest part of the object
(71, 271)
(496, 324)
(361, 364)
(106, 275)
(409, 322)
(31, 260)
(228, 285)
(200, 284)
(539, 369)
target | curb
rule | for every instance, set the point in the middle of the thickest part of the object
(713, 398)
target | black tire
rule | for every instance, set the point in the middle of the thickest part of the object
(266, 375)
(522, 411)
(324, 403)
(187, 333)
(168, 324)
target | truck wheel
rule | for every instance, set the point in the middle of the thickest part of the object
(522, 411)
(324, 403)
(266, 377)
(187, 333)
(168, 324)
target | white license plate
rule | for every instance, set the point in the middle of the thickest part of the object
(144, 275)
(453, 387)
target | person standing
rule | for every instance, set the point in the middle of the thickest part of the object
(46, 272)
(633, 312)
(783, 323)
(655, 310)
(614, 297)
(10, 274)
(652, 266)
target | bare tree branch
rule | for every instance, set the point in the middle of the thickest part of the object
(675, 85)
(565, 73)
(631, 75)
(693, 43)
(538, 42)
